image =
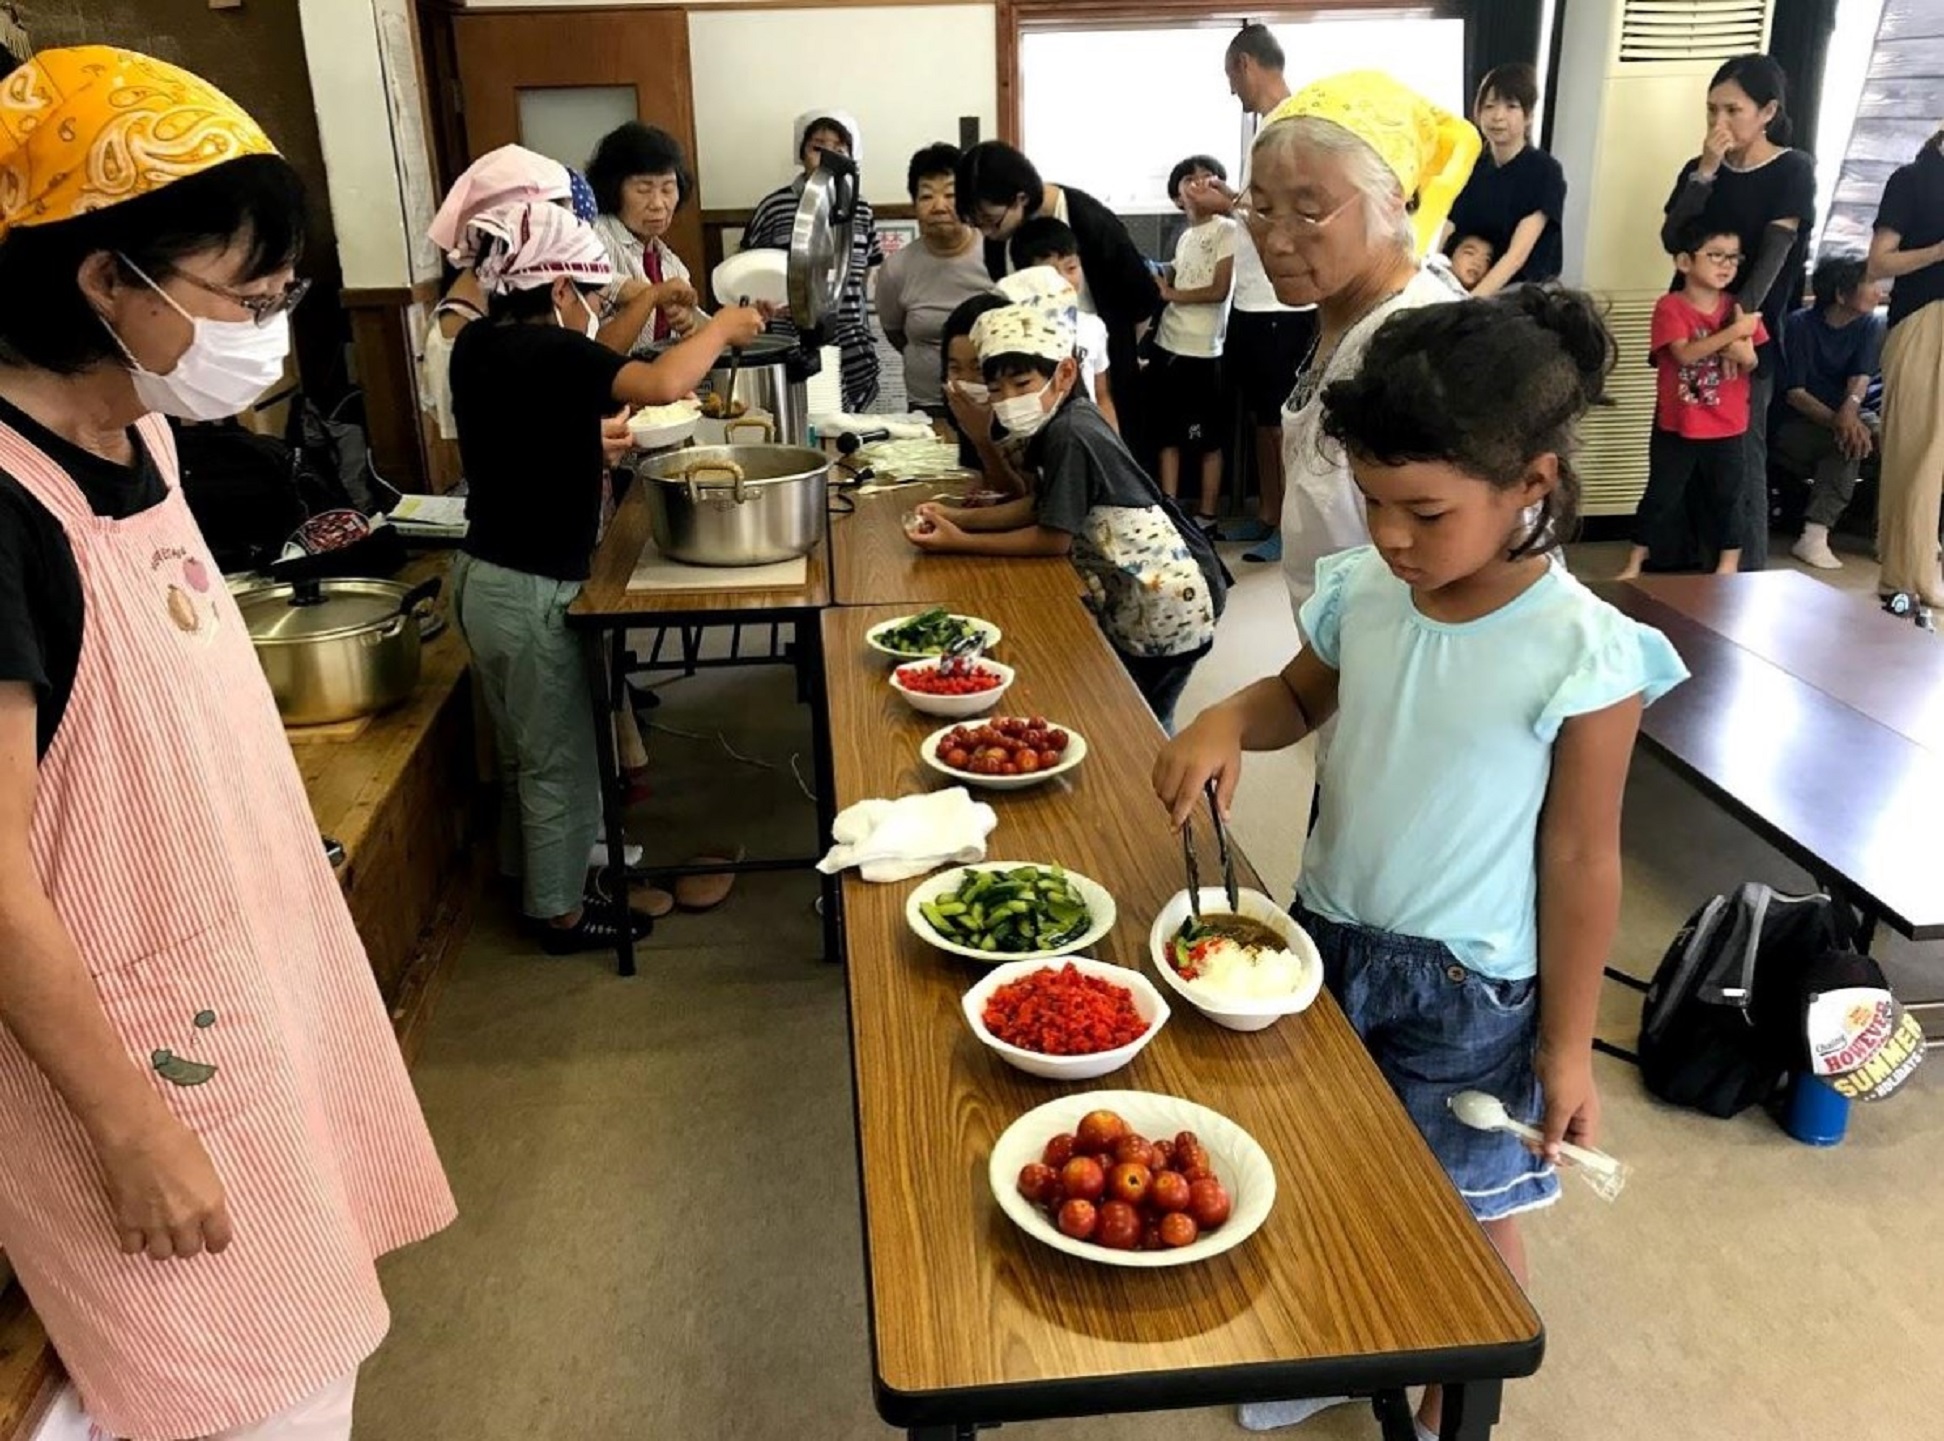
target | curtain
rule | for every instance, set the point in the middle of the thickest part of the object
(1497, 32)
(1799, 41)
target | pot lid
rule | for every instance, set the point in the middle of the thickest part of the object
(280, 614)
(820, 241)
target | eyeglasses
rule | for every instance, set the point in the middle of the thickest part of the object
(1294, 223)
(1722, 257)
(604, 306)
(263, 308)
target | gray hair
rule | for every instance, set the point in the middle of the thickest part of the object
(1386, 220)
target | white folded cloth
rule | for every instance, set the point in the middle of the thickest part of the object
(914, 426)
(896, 840)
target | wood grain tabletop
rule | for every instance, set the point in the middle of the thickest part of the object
(1368, 1272)
(606, 599)
(873, 564)
(1840, 641)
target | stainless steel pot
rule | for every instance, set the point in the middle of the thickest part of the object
(733, 505)
(762, 383)
(335, 650)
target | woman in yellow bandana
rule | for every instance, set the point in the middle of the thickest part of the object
(1349, 182)
(207, 1130)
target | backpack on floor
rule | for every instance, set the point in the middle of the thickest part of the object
(1723, 1022)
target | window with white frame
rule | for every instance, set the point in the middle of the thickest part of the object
(1112, 110)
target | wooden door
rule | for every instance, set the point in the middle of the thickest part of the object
(599, 52)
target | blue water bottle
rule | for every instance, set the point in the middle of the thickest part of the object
(1817, 1114)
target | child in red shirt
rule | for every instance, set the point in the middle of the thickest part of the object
(1704, 348)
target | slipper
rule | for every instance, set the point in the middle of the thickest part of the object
(650, 901)
(706, 892)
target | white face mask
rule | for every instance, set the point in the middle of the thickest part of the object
(1022, 415)
(976, 391)
(228, 364)
(590, 327)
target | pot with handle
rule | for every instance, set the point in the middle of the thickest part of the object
(335, 650)
(736, 505)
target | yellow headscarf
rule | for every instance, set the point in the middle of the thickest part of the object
(91, 126)
(1429, 150)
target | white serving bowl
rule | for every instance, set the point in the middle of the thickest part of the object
(952, 707)
(659, 437)
(1100, 906)
(1239, 1015)
(1076, 752)
(992, 635)
(1233, 1154)
(1148, 1002)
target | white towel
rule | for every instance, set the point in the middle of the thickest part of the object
(896, 840)
(915, 426)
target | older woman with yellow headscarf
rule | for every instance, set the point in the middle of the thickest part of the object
(195, 1065)
(1349, 182)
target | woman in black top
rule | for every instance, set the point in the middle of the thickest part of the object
(530, 388)
(1747, 181)
(999, 190)
(1517, 193)
(1908, 247)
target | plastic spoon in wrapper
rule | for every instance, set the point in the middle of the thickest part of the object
(1483, 1112)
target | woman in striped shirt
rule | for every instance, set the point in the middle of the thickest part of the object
(769, 229)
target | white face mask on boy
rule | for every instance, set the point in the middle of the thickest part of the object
(1022, 415)
(228, 364)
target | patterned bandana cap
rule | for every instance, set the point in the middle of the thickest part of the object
(799, 132)
(88, 127)
(1025, 329)
(581, 196)
(533, 243)
(504, 176)
(1429, 150)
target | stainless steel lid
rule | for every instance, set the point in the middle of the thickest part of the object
(820, 242)
(277, 614)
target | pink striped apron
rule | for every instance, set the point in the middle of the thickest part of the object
(174, 837)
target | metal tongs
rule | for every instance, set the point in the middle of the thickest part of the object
(1229, 887)
(962, 654)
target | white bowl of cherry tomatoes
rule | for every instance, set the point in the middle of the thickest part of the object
(1008, 753)
(953, 689)
(1081, 1175)
(1069, 1020)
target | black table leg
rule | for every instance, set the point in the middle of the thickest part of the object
(962, 1431)
(810, 684)
(1394, 1417)
(603, 661)
(1470, 1410)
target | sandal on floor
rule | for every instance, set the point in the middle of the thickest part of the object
(598, 929)
(706, 892)
(646, 900)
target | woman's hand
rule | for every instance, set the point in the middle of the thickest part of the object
(683, 321)
(672, 295)
(164, 1194)
(1210, 749)
(1715, 146)
(616, 441)
(1571, 1099)
(934, 530)
(738, 325)
(1210, 196)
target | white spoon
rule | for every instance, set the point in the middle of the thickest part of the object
(1487, 1113)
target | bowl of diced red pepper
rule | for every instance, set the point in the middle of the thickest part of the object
(1066, 1020)
(952, 687)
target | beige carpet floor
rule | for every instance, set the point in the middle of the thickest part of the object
(659, 1234)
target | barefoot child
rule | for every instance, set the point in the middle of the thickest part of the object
(1704, 348)
(1463, 879)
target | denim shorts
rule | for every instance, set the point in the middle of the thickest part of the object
(1435, 1028)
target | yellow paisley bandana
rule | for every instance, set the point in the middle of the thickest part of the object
(1429, 150)
(89, 127)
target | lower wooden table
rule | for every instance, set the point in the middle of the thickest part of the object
(1369, 1274)
(873, 564)
(1815, 719)
(606, 608)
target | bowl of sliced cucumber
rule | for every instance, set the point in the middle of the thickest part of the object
(1010, 911)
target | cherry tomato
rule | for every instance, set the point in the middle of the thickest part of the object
(1028, 763)
(1178, 1228)
(1057, 739)
(1134, 1150)
(1099, 1130)
(1083, 1178)
(1192, 1159)
(1077, 1219)
(1058, 1151)
(1037, 723)
(1007, 768)
(1048, 759)
(1208, 1203)
(955, 758)
(1120, 1226)
(1129, 1183)
(1151, 1235)
(1035, 1179)
(1163, 1155)
(1168, 1191)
